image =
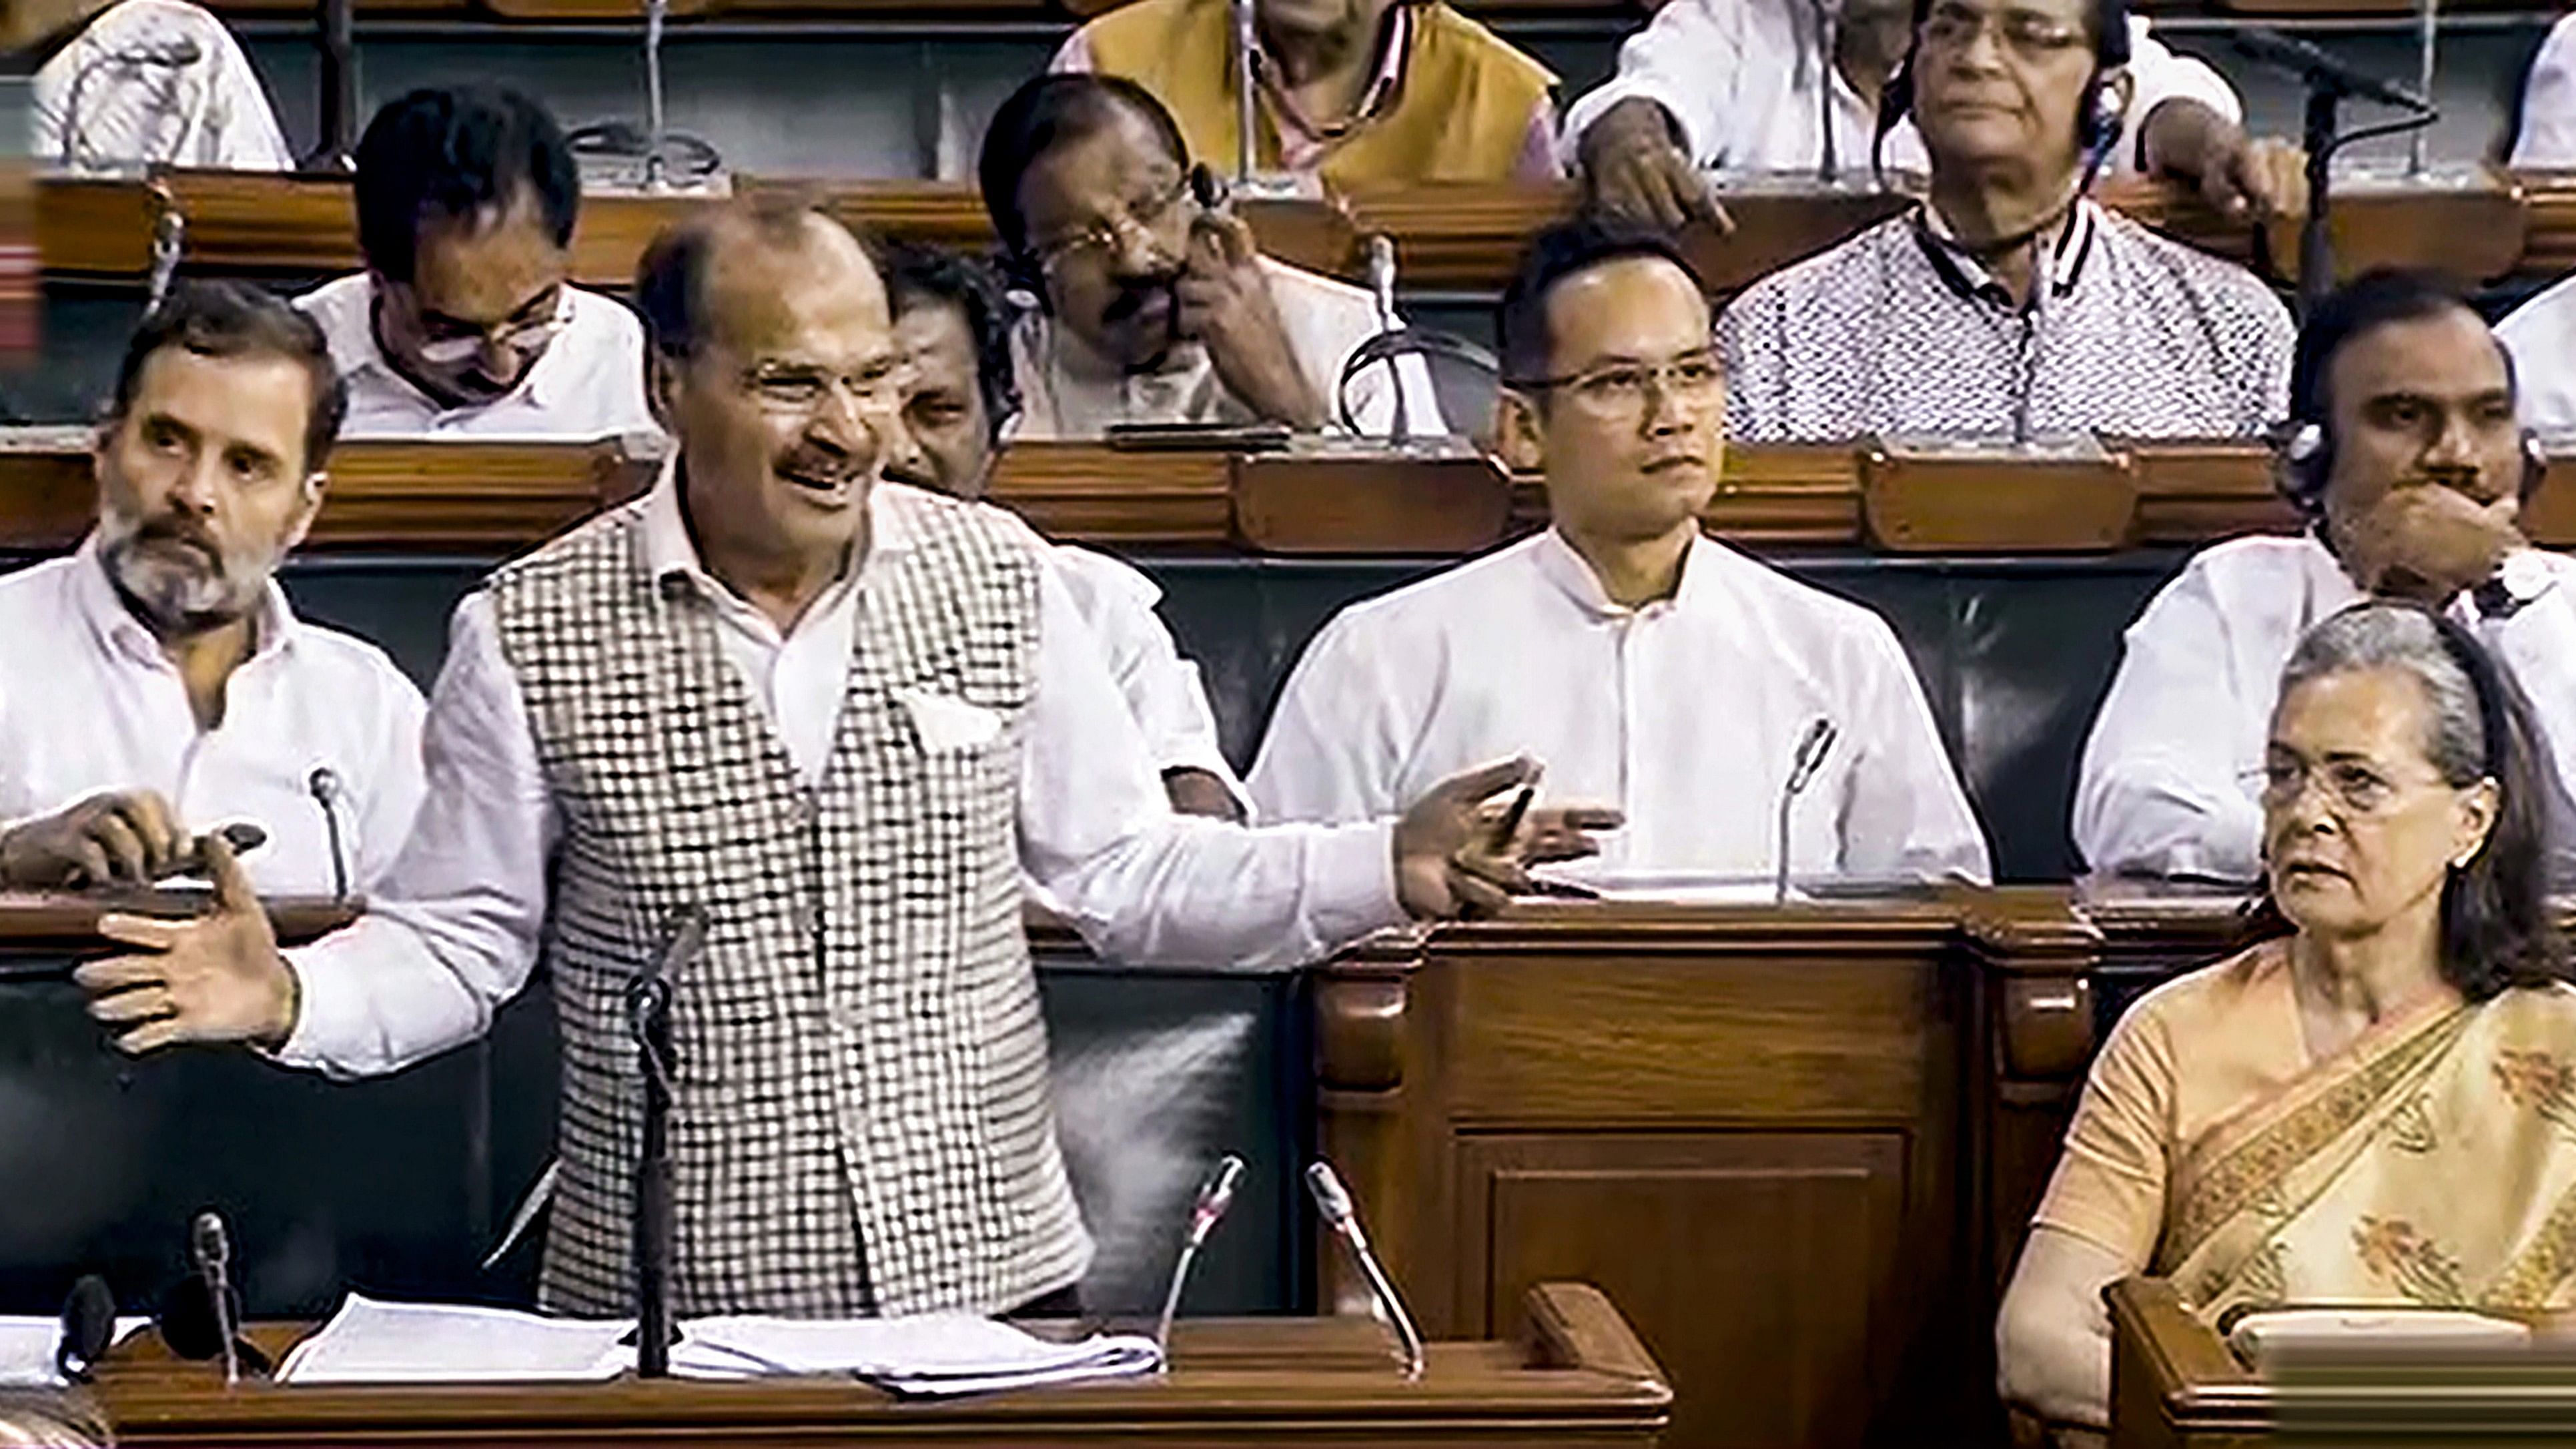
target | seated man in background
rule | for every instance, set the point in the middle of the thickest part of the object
(2410, 470)
(954, 327)
(1157, 305)
(1736, 84)
(464, 321)
(154, 683)
(2008, 304)
(126, 84)
(2540, 338)
(2372, 1110)
(1358, 92)
(2547, 136)
(1652, 667)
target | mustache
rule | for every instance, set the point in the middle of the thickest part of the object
(171, 529)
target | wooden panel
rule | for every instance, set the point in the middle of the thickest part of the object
(1754, 1265)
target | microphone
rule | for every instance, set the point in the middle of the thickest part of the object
(656, 146)
(213, 1253)
(1334, 1202)
(1215, 1196)
(2428, 24)
(2322, 71)
(1817, 743)
(89, 1325)
(335, 35)
(1381, 280)
(648, 1018)
(1828, 169)
(169, 241)
(324, 786)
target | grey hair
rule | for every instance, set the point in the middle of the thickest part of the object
(2407, 640)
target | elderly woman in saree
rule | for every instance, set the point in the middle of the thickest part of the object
(2379, 1106)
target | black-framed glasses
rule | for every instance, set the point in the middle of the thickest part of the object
(1150, 214)
(1616, 390)
(2031, 34)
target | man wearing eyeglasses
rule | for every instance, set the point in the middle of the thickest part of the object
(1155, 306)
(845, 718)
(1740, 85)
(2405, 458)
(2008, 305)
(465, 321)
(1652, 667)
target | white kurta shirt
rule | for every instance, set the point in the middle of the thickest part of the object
(1162, 689)
(88, 702)
(1740, 77)
(588, 383)
(156, 83)
(1895, 332)
(457, 925)
(1684, 713)
(2548, 134)
(1068, 390)
(2171, 772)
(2540, 337)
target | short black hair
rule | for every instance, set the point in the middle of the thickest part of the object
(1555, 254)
(670, 278)
(236, 319)
(1051, 111)
(2380, 297)
(917, 274)
(452, 152)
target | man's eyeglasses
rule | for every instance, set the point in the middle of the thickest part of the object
(2352, 787)
(797, 389)
(450, 344)
(1618, 390)
(2028, 33)
(1150, 214)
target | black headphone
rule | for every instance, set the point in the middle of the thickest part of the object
(2099, 116)
(2306, 453)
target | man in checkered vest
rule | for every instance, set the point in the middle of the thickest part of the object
(844, 717)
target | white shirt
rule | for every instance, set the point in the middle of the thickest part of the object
(588, 383)
(456, 928)
(2548, 134)
(1740, 78)
(2168, 785)
(2540, 337)
(156, 83)
(2136, 335)
(88, 702)
(1162, 689)
(1069, 390)
(1684, 713)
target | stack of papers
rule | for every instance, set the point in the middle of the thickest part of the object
(929, 1355)
(27, 1346)
(368, 1342)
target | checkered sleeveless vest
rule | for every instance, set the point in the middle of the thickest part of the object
(860, 1119)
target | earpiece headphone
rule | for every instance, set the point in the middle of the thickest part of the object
(2099, 116)
(2307, 461)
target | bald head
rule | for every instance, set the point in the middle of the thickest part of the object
(734, 265)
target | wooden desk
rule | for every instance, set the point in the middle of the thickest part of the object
(1454, 236)
(1575, 1376)
(2175, 1384)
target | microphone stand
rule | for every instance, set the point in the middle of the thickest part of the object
(657, 159)
(336, 84)
(2329, 84)
(648, 1018)
(2427, 29)
(1246, 114)
(1828, 168)
(1381, 275)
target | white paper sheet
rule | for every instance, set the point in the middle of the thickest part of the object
(374, 1342)
(27, 1345)
(925, 1354)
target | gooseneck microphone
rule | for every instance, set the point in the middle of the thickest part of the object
(1334, 1201)
(89, 1325)
(1817, 743)
(213, 1253)
(1215, 1196)
(324, 786)
(648, 1017)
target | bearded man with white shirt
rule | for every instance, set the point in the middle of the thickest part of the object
(1156, 305)
(1651, 666)
(1743, 85)
(465, 322)
(155, 682)
(2412, 471)
(954, 324)
(846, 719)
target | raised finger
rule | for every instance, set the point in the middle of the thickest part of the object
(145, 931)
(1486, 781)
(143, 1003)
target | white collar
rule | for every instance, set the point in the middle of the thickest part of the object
(274, 627)
(1561, 564)
(542, 388)
(668, 551)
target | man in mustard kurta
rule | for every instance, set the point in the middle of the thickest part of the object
(1358, 92)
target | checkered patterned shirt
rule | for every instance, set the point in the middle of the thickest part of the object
(1895, 331)
(860, 1118)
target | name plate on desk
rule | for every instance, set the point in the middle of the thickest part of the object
(1996, 495)
(1361, 496)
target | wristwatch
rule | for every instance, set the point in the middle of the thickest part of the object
(2523, 577)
